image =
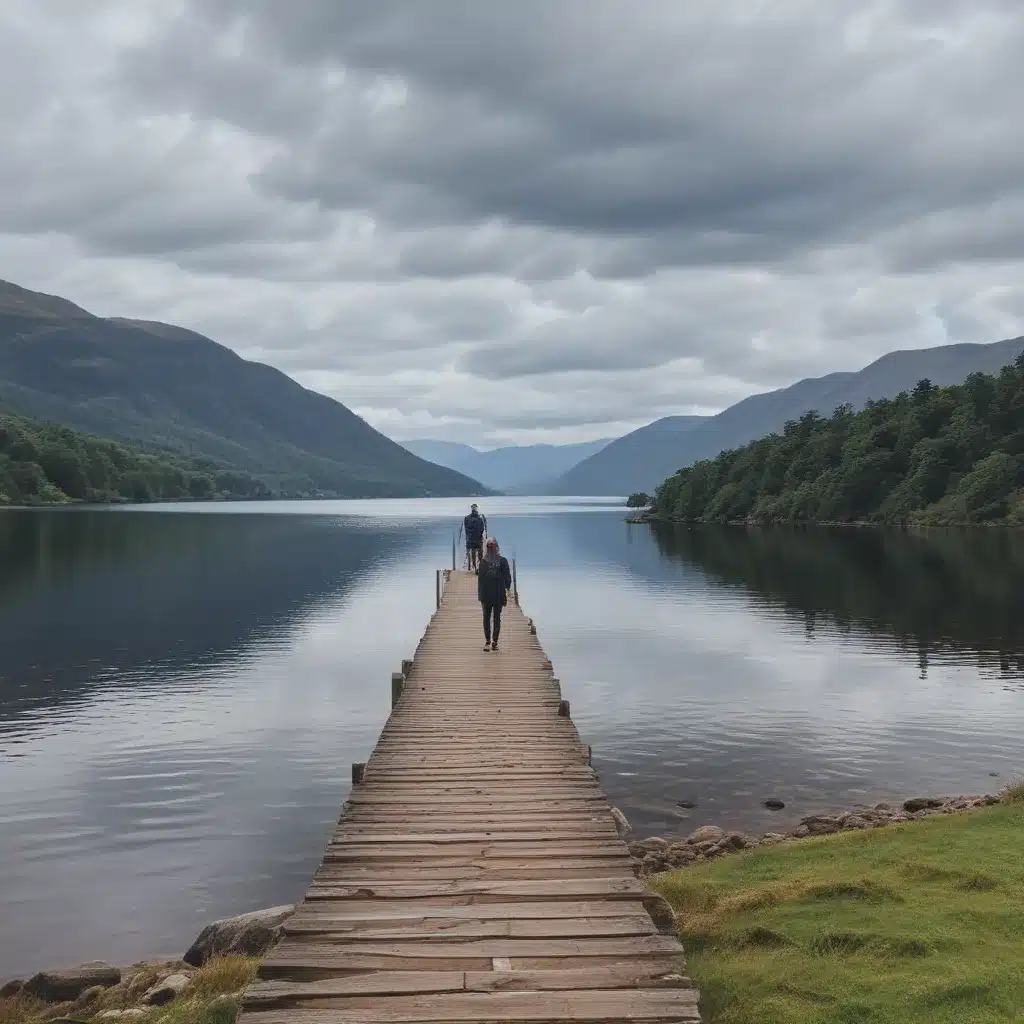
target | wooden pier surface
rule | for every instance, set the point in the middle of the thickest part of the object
(476, 873)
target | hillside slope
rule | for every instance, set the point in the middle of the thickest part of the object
(515, 468)
(166, 386)
(643, 459)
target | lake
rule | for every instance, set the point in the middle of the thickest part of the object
(183, 690)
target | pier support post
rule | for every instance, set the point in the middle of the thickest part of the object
(397, 686)
(358, 768)
(406, 667)
(563, 709)
(437, 587)
(587, 754)
(533, 628)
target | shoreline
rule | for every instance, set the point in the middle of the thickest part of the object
(657, 854)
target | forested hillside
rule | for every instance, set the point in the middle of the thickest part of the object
(932, 456)
(42, 463)
(163, 387)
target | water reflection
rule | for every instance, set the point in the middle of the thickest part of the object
(938, 593)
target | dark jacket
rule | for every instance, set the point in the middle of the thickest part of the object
(494, 580)
(474, 524)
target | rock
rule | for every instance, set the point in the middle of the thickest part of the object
(681, 855)
(90, 997)
(707, 833)
(622, 826)
(821, 824)
(771, 838)
(733, 841)
(653, 863)
(661, 913)
(165, 991)
(641, 847)
(800, 832)
(133, 1013)
(774, 804)
(249, 934)
(882, 807)
(995, 775)
(110, 1014)
(11, 989)
(68, 985)
(921, 803)
(687, 805)
(991, 801)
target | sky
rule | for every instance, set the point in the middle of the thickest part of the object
(553, 220)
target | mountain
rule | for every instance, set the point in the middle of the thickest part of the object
(516, 468)
(928, 457)
(640, 461)
(168, 388)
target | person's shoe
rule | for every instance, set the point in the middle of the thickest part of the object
(487, 646)
(494, 646)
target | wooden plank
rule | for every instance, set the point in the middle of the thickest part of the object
(447, 930)
(596, 1006)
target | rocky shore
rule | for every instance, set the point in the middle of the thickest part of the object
(214, 969)
(658, 854)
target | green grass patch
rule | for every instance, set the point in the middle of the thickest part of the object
(917, 922)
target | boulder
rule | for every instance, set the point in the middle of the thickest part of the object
(771, 838)
(921, 803)
(707, 833)
(167, 990)
(733, 841)
(67, 985)
(661, 913)
(11, 989)
(641, 847)
(90, 997)
(774, 804)
(821, 824)
(622, 826)
(248, 934)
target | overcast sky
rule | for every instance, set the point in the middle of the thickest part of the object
(542, 220)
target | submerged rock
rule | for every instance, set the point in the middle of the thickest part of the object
(248, 935)
(774, 804)
(67, 985)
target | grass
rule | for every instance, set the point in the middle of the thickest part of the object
(212, 998)
(921, 922)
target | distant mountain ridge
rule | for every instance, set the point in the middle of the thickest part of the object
(168, 387)
(640, 461)
(514, 468)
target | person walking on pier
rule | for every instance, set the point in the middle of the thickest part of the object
(492, 587)
(475, 526)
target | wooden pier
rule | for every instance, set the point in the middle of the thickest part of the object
(477, 873)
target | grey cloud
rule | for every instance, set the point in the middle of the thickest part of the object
(514, 219)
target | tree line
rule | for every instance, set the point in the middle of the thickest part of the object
(931, 456)
(43, 463)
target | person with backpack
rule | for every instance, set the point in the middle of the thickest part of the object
(475, 526)
(492, 587)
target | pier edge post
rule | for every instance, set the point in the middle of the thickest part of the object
(563, 709)
(358, 768)
(397, 686)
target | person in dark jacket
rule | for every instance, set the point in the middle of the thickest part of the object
(475, 526)
(492, 587)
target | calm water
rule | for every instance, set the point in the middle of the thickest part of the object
(182, 691)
